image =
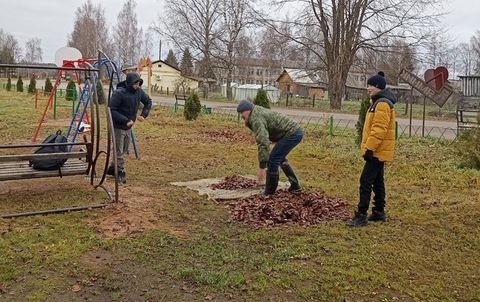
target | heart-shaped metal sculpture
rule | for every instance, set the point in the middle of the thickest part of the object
(436, 78)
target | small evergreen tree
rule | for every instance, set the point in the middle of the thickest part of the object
(9, 84)
(100, 92)
(32, 85)
(20, 84)
(48, 86)
(71, 93)
(261, 99)
(192, 107)
(171, 59)
(362, 113)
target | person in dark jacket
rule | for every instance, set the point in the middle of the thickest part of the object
(269, 126)
(378, 146)
(124, 106)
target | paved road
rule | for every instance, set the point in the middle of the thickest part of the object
(443, 129)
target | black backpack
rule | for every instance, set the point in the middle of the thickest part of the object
(50, 164)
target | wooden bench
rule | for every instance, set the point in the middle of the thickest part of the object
(183, 98)
(15, 167)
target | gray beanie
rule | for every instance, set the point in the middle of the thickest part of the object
(244, 106)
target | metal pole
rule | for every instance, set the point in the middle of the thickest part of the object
(411, 117)
(60, 210)
(423, 121)
(55, 106)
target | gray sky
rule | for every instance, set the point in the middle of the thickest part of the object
(52, 20)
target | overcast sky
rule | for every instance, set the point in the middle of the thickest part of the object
(52, 20)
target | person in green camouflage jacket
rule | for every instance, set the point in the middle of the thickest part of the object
(269, 126)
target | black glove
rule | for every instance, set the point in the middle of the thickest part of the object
(368, 156)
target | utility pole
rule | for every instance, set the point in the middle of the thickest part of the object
(160, 50)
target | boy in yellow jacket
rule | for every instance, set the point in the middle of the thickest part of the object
(378, 145)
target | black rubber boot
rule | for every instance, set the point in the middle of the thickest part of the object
(271, 183)
(122, 177)
(292, 178)
(111, 170)
(377, 216)
(358, 220)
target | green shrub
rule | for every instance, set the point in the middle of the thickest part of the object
(20, 84)
(468, 148)
(48, 86)
(71, 93)
(32, 86)
(9, 84)
(100, 92)
(261, 99)
(192, 107)
(362, 113)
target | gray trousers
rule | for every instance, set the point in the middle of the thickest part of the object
(122, 141)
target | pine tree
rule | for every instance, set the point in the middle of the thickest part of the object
(186, 66)
(32, 86)
(9, 84)
(20, 84)
(71, 93)
(171, 59)
(261, 99)
(192, 107)
(362, 113)
(48, 86)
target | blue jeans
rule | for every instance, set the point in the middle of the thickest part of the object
(282, 148)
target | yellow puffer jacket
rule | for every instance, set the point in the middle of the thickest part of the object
(379, 128)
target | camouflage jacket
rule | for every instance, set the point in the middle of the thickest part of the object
(269, 126)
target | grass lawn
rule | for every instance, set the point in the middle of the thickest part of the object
(165, 243)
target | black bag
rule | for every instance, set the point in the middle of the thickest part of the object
(50, 164)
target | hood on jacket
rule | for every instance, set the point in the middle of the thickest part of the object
(385, 94)
(132, 78)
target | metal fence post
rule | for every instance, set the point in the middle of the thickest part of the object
(396, 130)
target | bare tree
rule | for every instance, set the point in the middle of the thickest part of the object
(192, 24)
(33, 51)
(147, 44)
(127, 36)
(90, 31)
(346, 26)
(236, 15)
(10, 51)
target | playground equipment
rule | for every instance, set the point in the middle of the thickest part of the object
(81, 161)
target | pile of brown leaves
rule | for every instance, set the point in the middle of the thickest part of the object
(304, 208)
(235, 182)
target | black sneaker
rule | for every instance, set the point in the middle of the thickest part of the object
(358, 220)
(122, 177)
(377, 216)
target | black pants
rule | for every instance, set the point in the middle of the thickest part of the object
(372, 178)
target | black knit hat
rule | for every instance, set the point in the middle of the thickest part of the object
(378, 80)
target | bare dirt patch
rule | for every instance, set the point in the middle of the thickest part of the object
(139, 211)
(304, 208)
(227, 136)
